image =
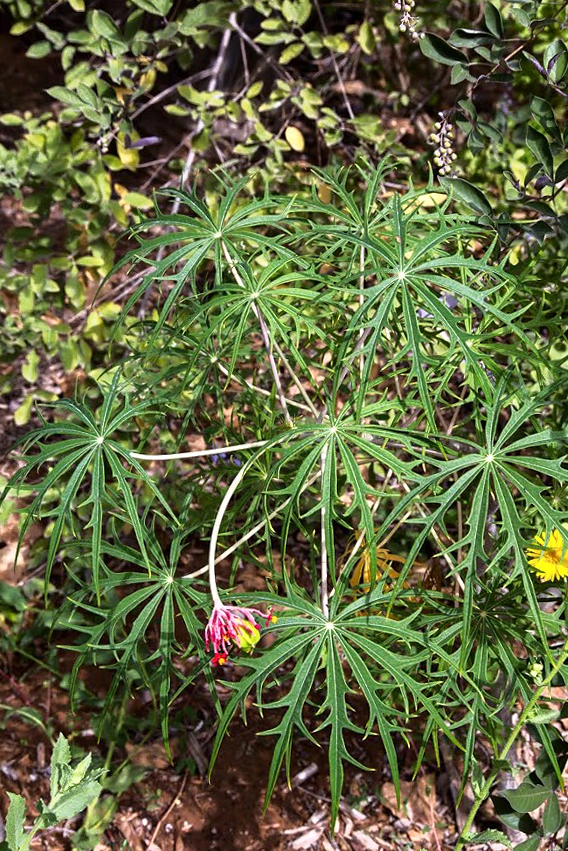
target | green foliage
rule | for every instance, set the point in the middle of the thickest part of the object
(72, 789)
(389, 360)
(85, 445)
(81, 158)
(418, 292)
(538, 788)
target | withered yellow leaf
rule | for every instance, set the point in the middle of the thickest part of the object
(295, 138)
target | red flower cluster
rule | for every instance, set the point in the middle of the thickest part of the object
(233, 626)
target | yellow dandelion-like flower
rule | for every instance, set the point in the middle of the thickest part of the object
(549, 557)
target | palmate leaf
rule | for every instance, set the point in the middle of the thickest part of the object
(184, 367)
(310, 217)
(261, 667)
(513, 542)
(380, 713)
(351, 213)
(499, 617)
(228, 312)
(496, 615)
(79, 449)
(394, 665)
(408, 273)
(416, 294)
(120, 629)
(374, 648)
(98, 623)
(293, 703)
(199, 236)
(193, 252)
(484, 472)
(282, 300)
(340, 438)
(355, 212)
(302, 449)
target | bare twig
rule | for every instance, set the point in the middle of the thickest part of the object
(168, 811)
(280, 71)
(295, 379)
(304, 775)
(17, 689)
(211, 86)
(193, 78)
(335, 65)
(251, 386)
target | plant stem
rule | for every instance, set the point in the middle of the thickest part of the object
(200, 124)
(273, 367)
(361, 302)
(424, 514)
(265, 337)
(264, 392)
(357, 348)
(509, 744)
(216, 527)
(296, 380)
(230, 550)
(199, 452)
(323, 566)
(117, 729)
(340, 82)
(361, 536)
(219, 519)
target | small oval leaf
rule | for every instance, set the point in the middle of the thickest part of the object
(552, 818)
(555, 60)
(561, 172)
(493, 20)
(531, 844)
(295, 138)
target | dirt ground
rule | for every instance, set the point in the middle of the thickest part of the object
(171, 810)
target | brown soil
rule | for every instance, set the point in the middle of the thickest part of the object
(175, 809)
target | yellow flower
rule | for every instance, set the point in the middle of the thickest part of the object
(549, 557)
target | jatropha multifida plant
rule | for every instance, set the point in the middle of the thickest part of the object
(382, 445)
